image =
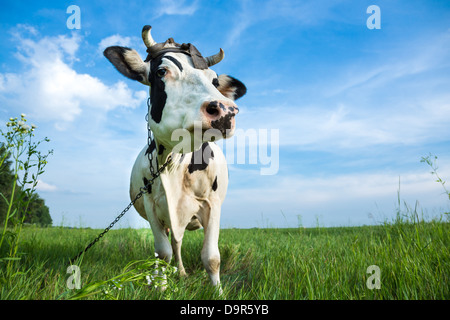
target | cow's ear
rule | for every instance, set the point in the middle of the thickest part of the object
(230, 87)
(128, 62)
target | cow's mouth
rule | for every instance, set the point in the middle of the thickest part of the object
(196, 129)
(214, 130)
(224, 124)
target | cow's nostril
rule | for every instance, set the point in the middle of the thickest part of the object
(212, 109)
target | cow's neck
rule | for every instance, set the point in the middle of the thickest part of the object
(169, 180)
(162, 152)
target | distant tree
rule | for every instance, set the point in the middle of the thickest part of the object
(6, 181)
(37, 213)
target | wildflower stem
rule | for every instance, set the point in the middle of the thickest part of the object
(8, 212)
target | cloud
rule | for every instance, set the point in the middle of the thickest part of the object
(412, 121)
(412, 57)
(178, 7)
(100, 127)
(400, 100)
(118, 40)
(46, 187)
(252, 13)
(356, 194)
(49, 88)
(241, 24)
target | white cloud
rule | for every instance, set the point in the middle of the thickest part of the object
(254, 12)
(50, 88)
(118, 40)
(98, 132)
(178, 7)
(115, 39)
(43, 186)
(353, 195)
(352, 127)
(401, 101)
(242, 23)
(409, 58)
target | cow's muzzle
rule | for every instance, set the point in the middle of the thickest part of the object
(220, 115)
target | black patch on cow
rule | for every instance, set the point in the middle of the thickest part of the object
(147, 185)
(158, 94)
(161, 149)
(175, 61)
(214, 185)
(221, 106)
(223, 123)
(240, 88)
(151, 147)
(215, 82)
(200, 158)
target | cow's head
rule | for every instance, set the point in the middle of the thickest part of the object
(183, 90)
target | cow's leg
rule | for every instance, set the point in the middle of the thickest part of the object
(210, 250)
(163, 249)
(162, 243)
(177, 239)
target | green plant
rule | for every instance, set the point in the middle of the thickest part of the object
(139, 273)
(431, 160)
(27, 161)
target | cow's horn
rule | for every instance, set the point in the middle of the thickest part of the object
(147, 37)
(215, 59)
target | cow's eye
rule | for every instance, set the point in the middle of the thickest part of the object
(161, 72)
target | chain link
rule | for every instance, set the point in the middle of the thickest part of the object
(142, 190)
(110, 226)
(149, 141)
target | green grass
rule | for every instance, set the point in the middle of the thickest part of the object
(298, 263)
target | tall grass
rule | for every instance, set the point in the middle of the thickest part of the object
(297, 263)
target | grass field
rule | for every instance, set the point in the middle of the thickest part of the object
(315, 263)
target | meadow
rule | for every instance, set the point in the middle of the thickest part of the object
(257, 264)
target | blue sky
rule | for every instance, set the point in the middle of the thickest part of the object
(354, 108)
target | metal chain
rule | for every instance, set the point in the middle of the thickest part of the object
(139, 195)
(110, 226)
(150, 140)
(142, 191)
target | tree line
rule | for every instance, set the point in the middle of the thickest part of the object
(37, 212)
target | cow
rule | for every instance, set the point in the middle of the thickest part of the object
(185, 96)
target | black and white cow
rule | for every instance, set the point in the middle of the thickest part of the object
(184, 95)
